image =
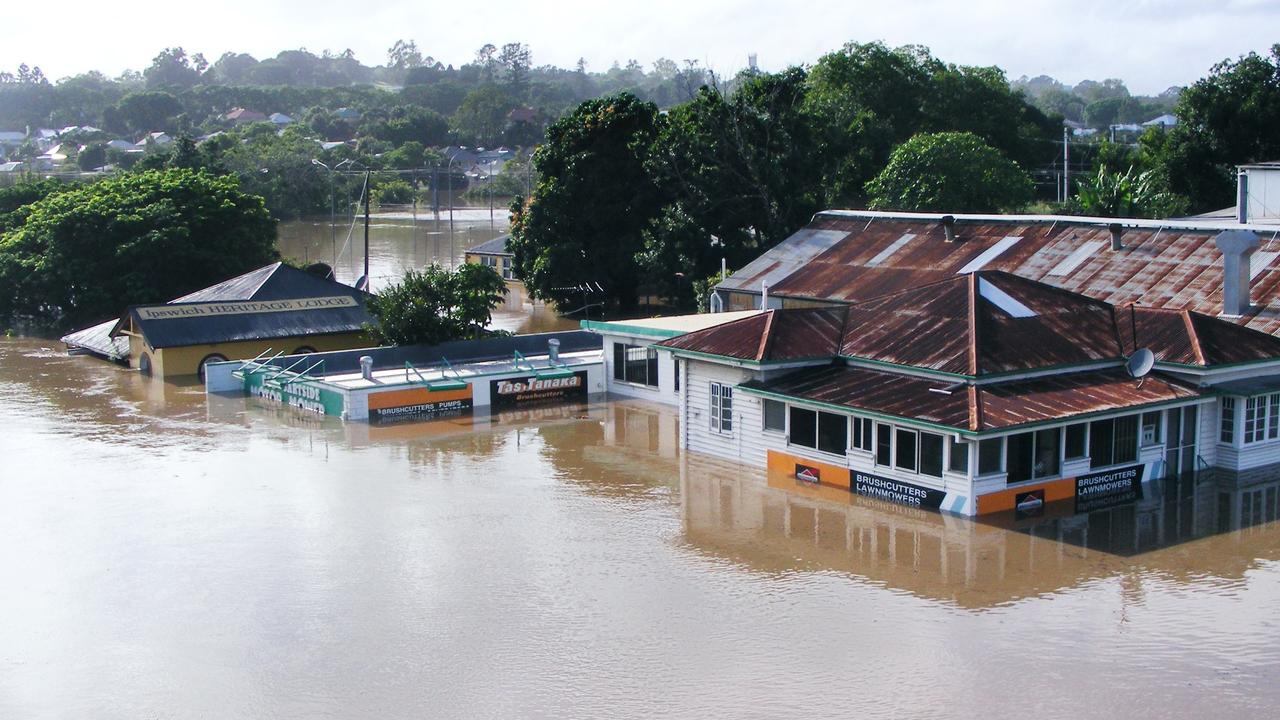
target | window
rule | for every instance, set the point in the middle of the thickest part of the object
(959, 460)
(1255, 419)
(1114, 441)
(1033, 455)
(675, 366)
(990, 456)
(635, 364)
(862, 433)
(721, 408)
(507, 273)
(804, 427)
(1076, 445)
(775, 415)
(1150, 428)
(930, 454)
(904, 451)
(1261, 418)
(884, 444)
(833, 433)
(824, 431)
(1227, 433)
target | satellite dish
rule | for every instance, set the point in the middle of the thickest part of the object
(363, 283)
(1140, 362)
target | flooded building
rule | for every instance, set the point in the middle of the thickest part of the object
(984, 393)
(276, 307)
(418, 382)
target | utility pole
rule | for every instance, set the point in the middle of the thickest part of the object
(368, 191)
(1066, 164)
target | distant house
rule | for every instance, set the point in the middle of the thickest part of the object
(12, 138)
(347, 114)
(1164, 121)
(156, 138)
(280, 118)
(53, 155)
(460, 156)
(12, 167)
(121, 145)
(494, 253)
(240, 116)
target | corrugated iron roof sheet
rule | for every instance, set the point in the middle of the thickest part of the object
(1170, 264)
(496, 246)
(99, 341)
(976, 408)
(1189, 338)
(272, 282)
(976, 324)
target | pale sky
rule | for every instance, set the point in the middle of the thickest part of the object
(1150, 44)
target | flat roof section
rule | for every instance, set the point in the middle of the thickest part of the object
(665, 327)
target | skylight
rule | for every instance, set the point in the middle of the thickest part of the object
(894, 247)
(1003, 300)
(988, 255)
(1076, 258)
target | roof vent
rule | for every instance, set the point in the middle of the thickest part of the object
(1242, 197)
(1237, 248)
(949, 227)
(366, 367)
(1117, 236)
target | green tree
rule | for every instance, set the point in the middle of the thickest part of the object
(595, 197)
(1129, 194)
(1226, 119)
(483, 115)
(16, 199)
(436, 304)
(92, 157)
(172, 68)
(87, 252)
(146, 112)
(949, 172)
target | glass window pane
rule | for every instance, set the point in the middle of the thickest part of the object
(884, 444)
(930, 454)
(1021, 457)
(1076, 434)
(959, 456)
(833, 433)
(1150, 428)
(637, 364)
(1126, 439)
(1047, 452)
(726, 408)
(775, 415)
(904, 453)
(619, 361)
(1227, 434)
(804, 427)
(651, 377)
(990, 456)
(1102, 434)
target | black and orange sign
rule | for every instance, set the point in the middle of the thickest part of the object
(419, 403)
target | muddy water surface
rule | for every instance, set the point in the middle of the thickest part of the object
(164, 556)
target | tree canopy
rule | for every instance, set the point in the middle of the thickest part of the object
(436, 304)
(948, 171)
(86, 252)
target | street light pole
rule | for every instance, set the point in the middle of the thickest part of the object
(333, 227)
(449, 172)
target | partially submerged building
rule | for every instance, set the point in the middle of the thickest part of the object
(982, 392)
(276, 307)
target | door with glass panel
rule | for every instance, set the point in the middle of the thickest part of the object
(1180, 442)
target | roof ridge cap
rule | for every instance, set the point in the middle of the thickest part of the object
(1193, 334)
(973, 324)
(766, 337)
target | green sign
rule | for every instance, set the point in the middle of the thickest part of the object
(302, 395)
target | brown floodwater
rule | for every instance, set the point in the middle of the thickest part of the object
(400, 240)
(167, 556)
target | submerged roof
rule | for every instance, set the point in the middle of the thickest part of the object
(99, 341)
(496, 246)
(976, 408)
(847, 256)
(271, 302)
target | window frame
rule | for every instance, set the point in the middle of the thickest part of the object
(721, 402)
(764, 417)
(818, 415)
(1227, 420)
(622, 363)
(1264, 425)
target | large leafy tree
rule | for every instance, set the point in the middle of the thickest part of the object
(87, 252)
(1226, 119)
(595, 197)
(435, 304)
(949, 172)
(740, 173)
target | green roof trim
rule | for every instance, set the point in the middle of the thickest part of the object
(622, 328)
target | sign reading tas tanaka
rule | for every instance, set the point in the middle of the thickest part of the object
(1099, 491)
(243, 307)
(896, 491)
(514, 392)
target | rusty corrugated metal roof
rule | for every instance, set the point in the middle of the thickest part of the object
(1172, 265)
(1190, 338)
(976, 324)
(976, 408)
